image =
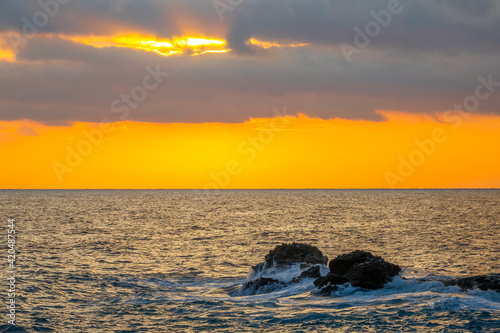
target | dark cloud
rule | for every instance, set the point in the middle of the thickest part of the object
(424, 26)
(428, 58)
(479, 8)
(77, 82)
(427, 25)
(84, 17)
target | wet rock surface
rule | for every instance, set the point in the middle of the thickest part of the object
(261, 285)
(311, 272)
(330, 279)
(483, 282)
(359, 268)
(289, 254)
(281, 258)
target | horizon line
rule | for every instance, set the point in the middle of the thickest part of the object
(246, 189)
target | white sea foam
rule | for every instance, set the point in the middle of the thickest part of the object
(431, 295)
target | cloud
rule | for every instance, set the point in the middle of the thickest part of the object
(422, 26)
(427, 59)
(79, 82)
(427, 25)
(163, 18)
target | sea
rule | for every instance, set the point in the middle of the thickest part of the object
(171, 260)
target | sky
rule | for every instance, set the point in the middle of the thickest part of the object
(223, 94)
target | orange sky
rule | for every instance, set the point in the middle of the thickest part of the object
(290, 152)
(193, 85)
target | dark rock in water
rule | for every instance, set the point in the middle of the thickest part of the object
(311, 272)
(289, 254)
(343, 263)
(327, 290)
(361, 269)
(261, 282)
(330, 279)
(261, 285)
(483, 282)
(372, 274)
(283, 257)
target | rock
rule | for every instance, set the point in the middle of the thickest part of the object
(361, 269)
(483, 282)
(260, 285)
(289, 254)
(343, 263)
(282, 258)
(311, 272)
(327, 290)
(330, 279)
(372, 274)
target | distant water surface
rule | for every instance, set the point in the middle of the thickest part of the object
(167, 261)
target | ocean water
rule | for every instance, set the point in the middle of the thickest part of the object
(171, 261)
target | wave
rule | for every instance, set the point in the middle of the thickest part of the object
(400, 292)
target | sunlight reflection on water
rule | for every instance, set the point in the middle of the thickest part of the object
(166, 260)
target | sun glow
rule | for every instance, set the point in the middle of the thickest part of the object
(185, 45)
(6, 52)
(7, 55)
(176, 46)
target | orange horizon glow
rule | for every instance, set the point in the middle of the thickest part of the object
(285, 152)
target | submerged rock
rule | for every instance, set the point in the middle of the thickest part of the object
(260, 286)
(328, 289)
(330, 279)
(482, 282)
(361, 269)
